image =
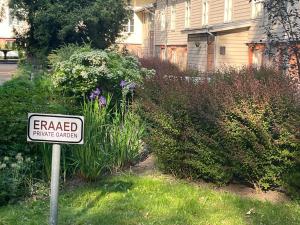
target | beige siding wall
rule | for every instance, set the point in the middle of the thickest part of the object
(174, 37)
(257, 32)
(216, 12)
(241, 10)
(139, 3)
(196, 13)
(235, 43)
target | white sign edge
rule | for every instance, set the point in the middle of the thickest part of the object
(55, 115)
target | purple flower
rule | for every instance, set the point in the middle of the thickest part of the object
(123, 83)
(97, 92)
(102, 101)
(92, 96)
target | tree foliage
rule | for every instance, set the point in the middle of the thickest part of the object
(282, 27)
(53, 23)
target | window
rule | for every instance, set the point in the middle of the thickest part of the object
(173, 16)
(162, 20)
(222, 50)
(187, 19)
(204, 12)
(257, 58)
(228, 11)
(129, 27)
(257, 9)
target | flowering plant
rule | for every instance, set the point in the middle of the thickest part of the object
(14, 175)
(85, 70)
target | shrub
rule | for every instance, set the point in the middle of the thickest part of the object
(234, 125)
(88, 69)
(19, 97)
(15, 175)
(65, 52)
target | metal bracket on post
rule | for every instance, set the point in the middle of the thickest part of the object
(54, 184)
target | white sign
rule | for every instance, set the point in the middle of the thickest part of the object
(55, 128)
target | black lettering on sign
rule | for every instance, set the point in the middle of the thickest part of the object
(59, 127)
(36, 124)
(51, 126)
(66, 126)
(43, 124)
(73, 127)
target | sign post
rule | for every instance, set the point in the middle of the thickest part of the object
(56, 129)
(54, 184)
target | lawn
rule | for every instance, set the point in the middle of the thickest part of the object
(129, 199)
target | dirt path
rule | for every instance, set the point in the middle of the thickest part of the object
(6, 71)
(147, 167)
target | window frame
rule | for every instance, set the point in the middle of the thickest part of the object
(163, 20)
(205, 11)
(228, 11)
(129, 27)
(254, 13)
(187, 14)
(173, 16)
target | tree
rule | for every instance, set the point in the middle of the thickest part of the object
(282, 28)
(2, 10)
(53, 23)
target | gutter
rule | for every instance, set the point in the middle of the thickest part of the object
(220, 27)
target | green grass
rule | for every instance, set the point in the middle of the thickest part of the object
(130, 200)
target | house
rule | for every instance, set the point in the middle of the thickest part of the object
(199, 34)
(138, 35)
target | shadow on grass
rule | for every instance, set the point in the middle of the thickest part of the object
(129, 200)
(118, 203)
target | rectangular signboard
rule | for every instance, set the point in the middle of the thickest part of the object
(54, 128)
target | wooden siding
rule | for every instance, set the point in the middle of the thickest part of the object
(197, 52)
(235, 43)
(168, 36)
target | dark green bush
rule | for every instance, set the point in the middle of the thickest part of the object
(19, 97)
(236, 125)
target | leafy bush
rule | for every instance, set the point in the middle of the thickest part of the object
(19, 97)
(112, 138)
(65, 52)
(15, 175)
(88, 69)
(233, 125)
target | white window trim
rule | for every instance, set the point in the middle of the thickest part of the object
(130, 24)
(163, 20)
(228, 10)
(187, 14)
(255, 4)
(173, 16)
(205, 11)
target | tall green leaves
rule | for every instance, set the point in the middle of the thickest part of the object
(112, 139)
